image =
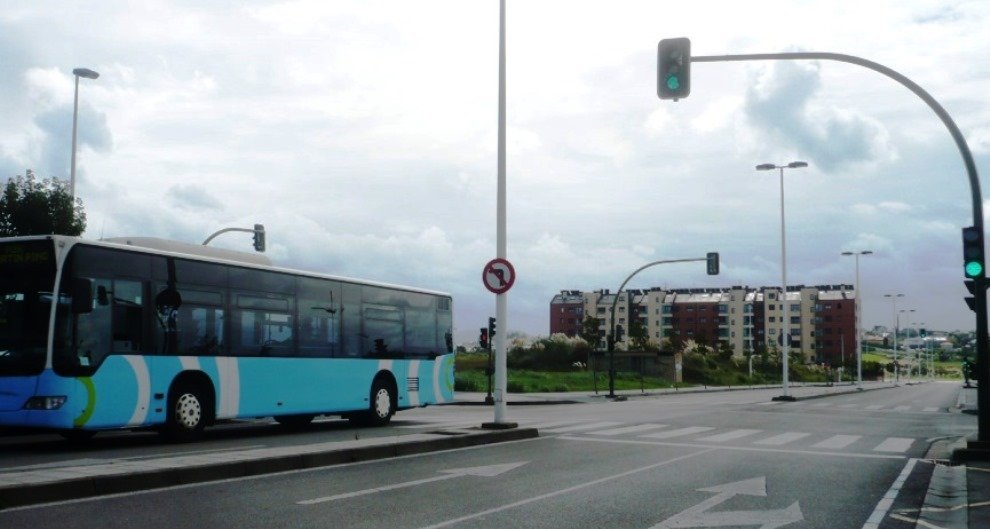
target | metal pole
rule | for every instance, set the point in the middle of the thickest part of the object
(501, 302)
(786, 340)
(72, 168)
(859, 330)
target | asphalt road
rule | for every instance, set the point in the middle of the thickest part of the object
(704, 460)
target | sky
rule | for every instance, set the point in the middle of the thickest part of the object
(363, 135)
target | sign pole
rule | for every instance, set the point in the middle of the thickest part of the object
(501, 300)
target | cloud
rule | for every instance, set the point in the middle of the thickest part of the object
(193, 197)
(782, 104)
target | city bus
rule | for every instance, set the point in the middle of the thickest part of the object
(147, 333)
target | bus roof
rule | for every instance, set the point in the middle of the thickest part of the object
(154, 245)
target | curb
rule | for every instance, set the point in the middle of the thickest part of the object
(151, 478)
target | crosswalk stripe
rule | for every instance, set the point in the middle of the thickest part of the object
(874, 407)
(629, 429)
(902, 408)
(586, 426)
(728, 436)
(837, 441)
(782, 439)
(551, 424)
(690, 430)
(894, 444)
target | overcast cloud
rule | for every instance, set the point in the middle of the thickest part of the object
(362, 134)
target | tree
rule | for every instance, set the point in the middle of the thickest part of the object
(639, 336)
(29, 206)
(589, 330)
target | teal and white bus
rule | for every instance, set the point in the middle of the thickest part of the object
(147, 333)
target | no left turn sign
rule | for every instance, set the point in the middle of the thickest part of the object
(498, 276)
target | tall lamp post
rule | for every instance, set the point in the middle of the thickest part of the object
(893, 300)
(88, 74)
(786, 331)
(907, 314)
(859, 325)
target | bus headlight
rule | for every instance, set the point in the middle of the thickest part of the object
(44, 403)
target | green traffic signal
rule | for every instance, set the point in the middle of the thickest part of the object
(673, 83)
(974, 269)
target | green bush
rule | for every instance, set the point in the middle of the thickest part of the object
(515, 387)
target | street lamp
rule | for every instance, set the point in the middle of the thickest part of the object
(893, 299)
(859, 326)
(785, 340)
(88, 74)
(907, 313)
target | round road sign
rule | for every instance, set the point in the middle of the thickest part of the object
(498, 275)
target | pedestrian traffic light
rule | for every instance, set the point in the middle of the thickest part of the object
(971, 300)
(674, 68)
(712, 263)
(259, 237)
(973, 251)
(491, 328)
(483, 338)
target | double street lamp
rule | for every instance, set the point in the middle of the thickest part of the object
(88, 74)
(786, 331)
(859, 326)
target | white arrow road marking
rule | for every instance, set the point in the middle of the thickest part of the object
(699, 515)
(486, 471)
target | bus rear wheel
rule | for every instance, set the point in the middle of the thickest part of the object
(382, 406)
(188, 413)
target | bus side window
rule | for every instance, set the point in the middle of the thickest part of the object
(128, 316)
(92, 333)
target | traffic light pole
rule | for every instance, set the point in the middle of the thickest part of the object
(982, 355)
(611, 333)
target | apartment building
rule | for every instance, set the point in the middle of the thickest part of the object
(821, 318)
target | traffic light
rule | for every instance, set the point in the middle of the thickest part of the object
(712, 263)
(674, 68)
(259, 237)
(483, 339)
(973, 252)
(491, 329)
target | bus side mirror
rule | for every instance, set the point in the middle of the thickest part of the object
(82, 295)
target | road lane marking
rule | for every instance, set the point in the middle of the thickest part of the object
(728, 436)
(782, 439)
(566, 491)
(837, 442)
(902, 408)
(485, 471)
(874, 407)
(930, 409)
(629, 429)
(885, 503)
(552, 424)
(690, 430)
(585, 426)
(894, 444)
(700, 515)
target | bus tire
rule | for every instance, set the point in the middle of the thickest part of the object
(294, 422)
(382, 405)
(188, 413)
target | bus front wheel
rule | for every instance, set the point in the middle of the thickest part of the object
(187, 413)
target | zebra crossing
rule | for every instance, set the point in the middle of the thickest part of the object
(703, 434)
(845, 406)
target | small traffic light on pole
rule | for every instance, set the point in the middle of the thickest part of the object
(491, 328)
(259, 237)
(674, 68)
(483, 339)
(973, 259)
(712, 260)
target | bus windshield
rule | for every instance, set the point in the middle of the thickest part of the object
(27, 275)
